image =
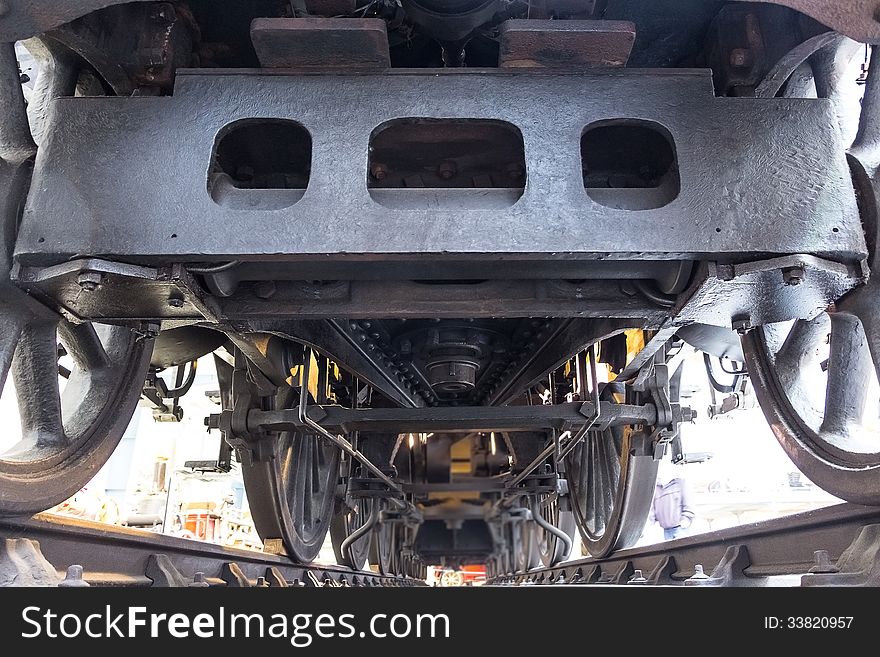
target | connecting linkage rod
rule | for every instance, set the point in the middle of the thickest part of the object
(339, 441)
(564, 450)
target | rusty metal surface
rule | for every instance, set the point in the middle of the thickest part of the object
(131, 46)
(321, 43)
(756, 177)
(565, 44)
(20, 19)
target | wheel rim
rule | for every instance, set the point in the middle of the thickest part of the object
(68, 430)
(611, 489)
(382, 548)
(292, 493)
(827, 427)
(526, 556)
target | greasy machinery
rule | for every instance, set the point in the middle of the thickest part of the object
(445, 253)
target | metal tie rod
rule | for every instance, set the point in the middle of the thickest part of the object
(551, 448)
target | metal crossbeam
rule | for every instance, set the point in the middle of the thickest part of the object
(456, 419)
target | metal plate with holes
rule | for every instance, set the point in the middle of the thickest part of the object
(18, 20)
(130, 176)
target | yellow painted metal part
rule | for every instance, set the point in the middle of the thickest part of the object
(635, 342)
(295, 378)
(460, 457)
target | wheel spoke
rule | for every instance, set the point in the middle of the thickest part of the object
(800, 347)
(83, 345)
(35, 369)
(863, 303)
(11, 327)
(849, 369)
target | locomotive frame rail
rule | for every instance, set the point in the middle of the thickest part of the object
(33, 551)
(831, 546)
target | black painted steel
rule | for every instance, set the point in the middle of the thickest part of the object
(611, 477)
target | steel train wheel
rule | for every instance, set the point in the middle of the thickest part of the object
(526, 556)
(346, 521)
(611, 489)
(832, 435)
(292, 492)
(550, 548)
(382, 548)
(67, 431)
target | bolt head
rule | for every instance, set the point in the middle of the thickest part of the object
(823, 563)
(447, 170)
(176, 302)
(90, 280)
(793, 275)
(741, 58)
(725, 272)
(741, 324)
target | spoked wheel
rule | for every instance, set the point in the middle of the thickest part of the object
(382, 548)
(526, 554)
(291, 495)
(346, 521)
(550, 547)
(70, 428)
(611, 488)
(816, 382)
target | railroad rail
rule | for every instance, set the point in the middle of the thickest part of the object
(38, 551)
(831, 546)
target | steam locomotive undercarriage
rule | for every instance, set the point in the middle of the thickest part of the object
(446, 254)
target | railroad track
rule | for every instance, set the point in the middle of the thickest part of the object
(832, 546)
(48, 550)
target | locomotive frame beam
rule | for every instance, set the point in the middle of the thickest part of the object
(158, 207)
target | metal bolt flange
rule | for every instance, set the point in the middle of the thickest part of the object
(199, 581)
(698, 573)
(74, 578)
(823, 563)
(90, 280)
